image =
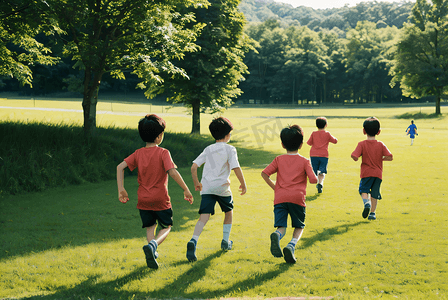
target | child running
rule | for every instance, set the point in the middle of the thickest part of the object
(292, 170)
(412, 131)
(154, 164)
(319, 141)
(218, 160)
(373, 154)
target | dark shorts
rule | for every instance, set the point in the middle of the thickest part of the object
(297, 213)
(163, 217)
(371, 185)
(208, 202)
(319, 164)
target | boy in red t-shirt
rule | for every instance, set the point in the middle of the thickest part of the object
(292, 170)
(373, 154)
(319, 141)
(154, 164)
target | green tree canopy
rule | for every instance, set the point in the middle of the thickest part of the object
(421, 62)
(113, 36)
(19, 24)
(214, 71)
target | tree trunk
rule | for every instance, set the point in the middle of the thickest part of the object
(89, 101)
(438, 112)
(196, 120)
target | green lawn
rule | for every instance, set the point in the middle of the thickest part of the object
(80, 242)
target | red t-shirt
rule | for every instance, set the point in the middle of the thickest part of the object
(319, 141)
(153, 164)
(292, 173)
(372, 152)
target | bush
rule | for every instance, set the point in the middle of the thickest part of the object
(37, 156)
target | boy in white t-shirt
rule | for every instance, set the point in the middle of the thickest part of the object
(218, 160)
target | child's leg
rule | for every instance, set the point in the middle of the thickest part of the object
(150, 232)
(367, 204)
(227, 226)
(203, 219)
(320, 178)
(163, 233)
(374, 204)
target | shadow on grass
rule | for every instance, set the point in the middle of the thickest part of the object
(91, 213)
(420, 115)
(91, 288)
(328, 234)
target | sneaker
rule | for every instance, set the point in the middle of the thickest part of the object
(372, 216)
(288, 251)
(275, 245)
(191, 251)
(151, 261)
(366, 210)
(226, 246)
(319, 187)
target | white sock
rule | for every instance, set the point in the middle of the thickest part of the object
(226, 231)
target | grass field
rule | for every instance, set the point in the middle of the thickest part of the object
(79, 242)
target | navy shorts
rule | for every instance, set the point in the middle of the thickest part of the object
(151, 217)
(371, 185)
(319, 164)
(208, 202)
(297, 213)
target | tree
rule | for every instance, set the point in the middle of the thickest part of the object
(214, 71)
(18, 47)
(421, 62)
(113, 36)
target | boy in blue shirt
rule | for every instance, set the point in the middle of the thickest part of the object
(412, 131)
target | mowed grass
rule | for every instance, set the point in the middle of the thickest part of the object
(79, 242)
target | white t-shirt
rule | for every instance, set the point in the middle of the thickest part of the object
(219, 158)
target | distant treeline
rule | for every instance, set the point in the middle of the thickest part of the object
(340, 20)
(304, 56)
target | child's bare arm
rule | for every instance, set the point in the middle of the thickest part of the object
(194, 174)
(388, 158)
(180, 181)
(240, 176)
(268, 180)
(122, 194)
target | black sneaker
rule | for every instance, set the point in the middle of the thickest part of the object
(319, 188)
(372, 216)
(366, 210)
(226, 246)
(151, 261)
(275, 245)
(191, 251)
(288, 251)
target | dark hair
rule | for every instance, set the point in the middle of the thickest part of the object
(292, 137)
(220, 127)
(371, 126)
(150, 127)
(321, 122)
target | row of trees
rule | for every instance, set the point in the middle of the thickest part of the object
(338, 19)
(370, 64)
(149, 39)
(197, 53)
(297, 65)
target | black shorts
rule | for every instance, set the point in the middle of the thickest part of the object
(208, 202)
(297, 213)
(371, 185)
(163, 217)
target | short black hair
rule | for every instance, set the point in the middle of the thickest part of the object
(321, 122)
(371, 126)
(150, 127)
(220, 127)
(292, 137)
